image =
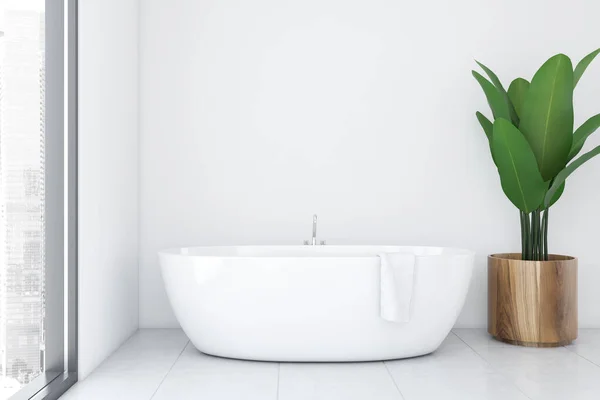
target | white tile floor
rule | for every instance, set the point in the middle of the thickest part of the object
(163, 365)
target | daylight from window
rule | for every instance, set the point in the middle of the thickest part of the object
(22, 240)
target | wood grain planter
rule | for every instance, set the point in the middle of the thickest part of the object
(532, 303)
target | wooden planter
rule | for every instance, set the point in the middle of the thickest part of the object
(532, 303)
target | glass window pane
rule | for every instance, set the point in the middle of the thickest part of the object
(22, 237)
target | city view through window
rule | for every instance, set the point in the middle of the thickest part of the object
(22, 233)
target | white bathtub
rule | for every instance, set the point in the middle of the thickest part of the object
(310, 303)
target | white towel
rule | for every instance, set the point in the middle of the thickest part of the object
(397, 276)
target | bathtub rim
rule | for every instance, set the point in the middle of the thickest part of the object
(455, 252)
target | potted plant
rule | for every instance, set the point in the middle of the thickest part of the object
(532, 295)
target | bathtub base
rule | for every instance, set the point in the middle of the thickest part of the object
(316, 359)
(392, 343)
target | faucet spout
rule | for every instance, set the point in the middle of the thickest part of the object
(314, 233)
(313, 241)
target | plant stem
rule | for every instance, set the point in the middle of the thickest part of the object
(534, 235)
(541, 239)
(527, 238)
(541, 235)
(523, 236)
(542, 242)
(545, 227)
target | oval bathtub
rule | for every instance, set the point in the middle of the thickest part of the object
(310, 303)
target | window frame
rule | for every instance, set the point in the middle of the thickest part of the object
(61, 198)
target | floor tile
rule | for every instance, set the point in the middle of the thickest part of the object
(546, 373)
(469, 365)
(587, 337)
(478, 338)
(199, 376)
(587, 345)
(453, 372)
(135, 370)
(325, 381)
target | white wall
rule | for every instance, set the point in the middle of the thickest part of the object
(108, 177)
(257, 114)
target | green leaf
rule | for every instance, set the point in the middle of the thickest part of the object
(485, 123)
(582, 133)
(582, 66)
(568, 170)
(516, 93)
(488, 128)
(494, 78)
(547, 120)
(519, 174)
(494, 97)
(555, 197)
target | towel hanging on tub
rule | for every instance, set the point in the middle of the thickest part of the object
(397, 281)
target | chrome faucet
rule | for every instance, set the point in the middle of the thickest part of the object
(313, 241)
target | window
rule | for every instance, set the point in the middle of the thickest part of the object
(37, 191)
